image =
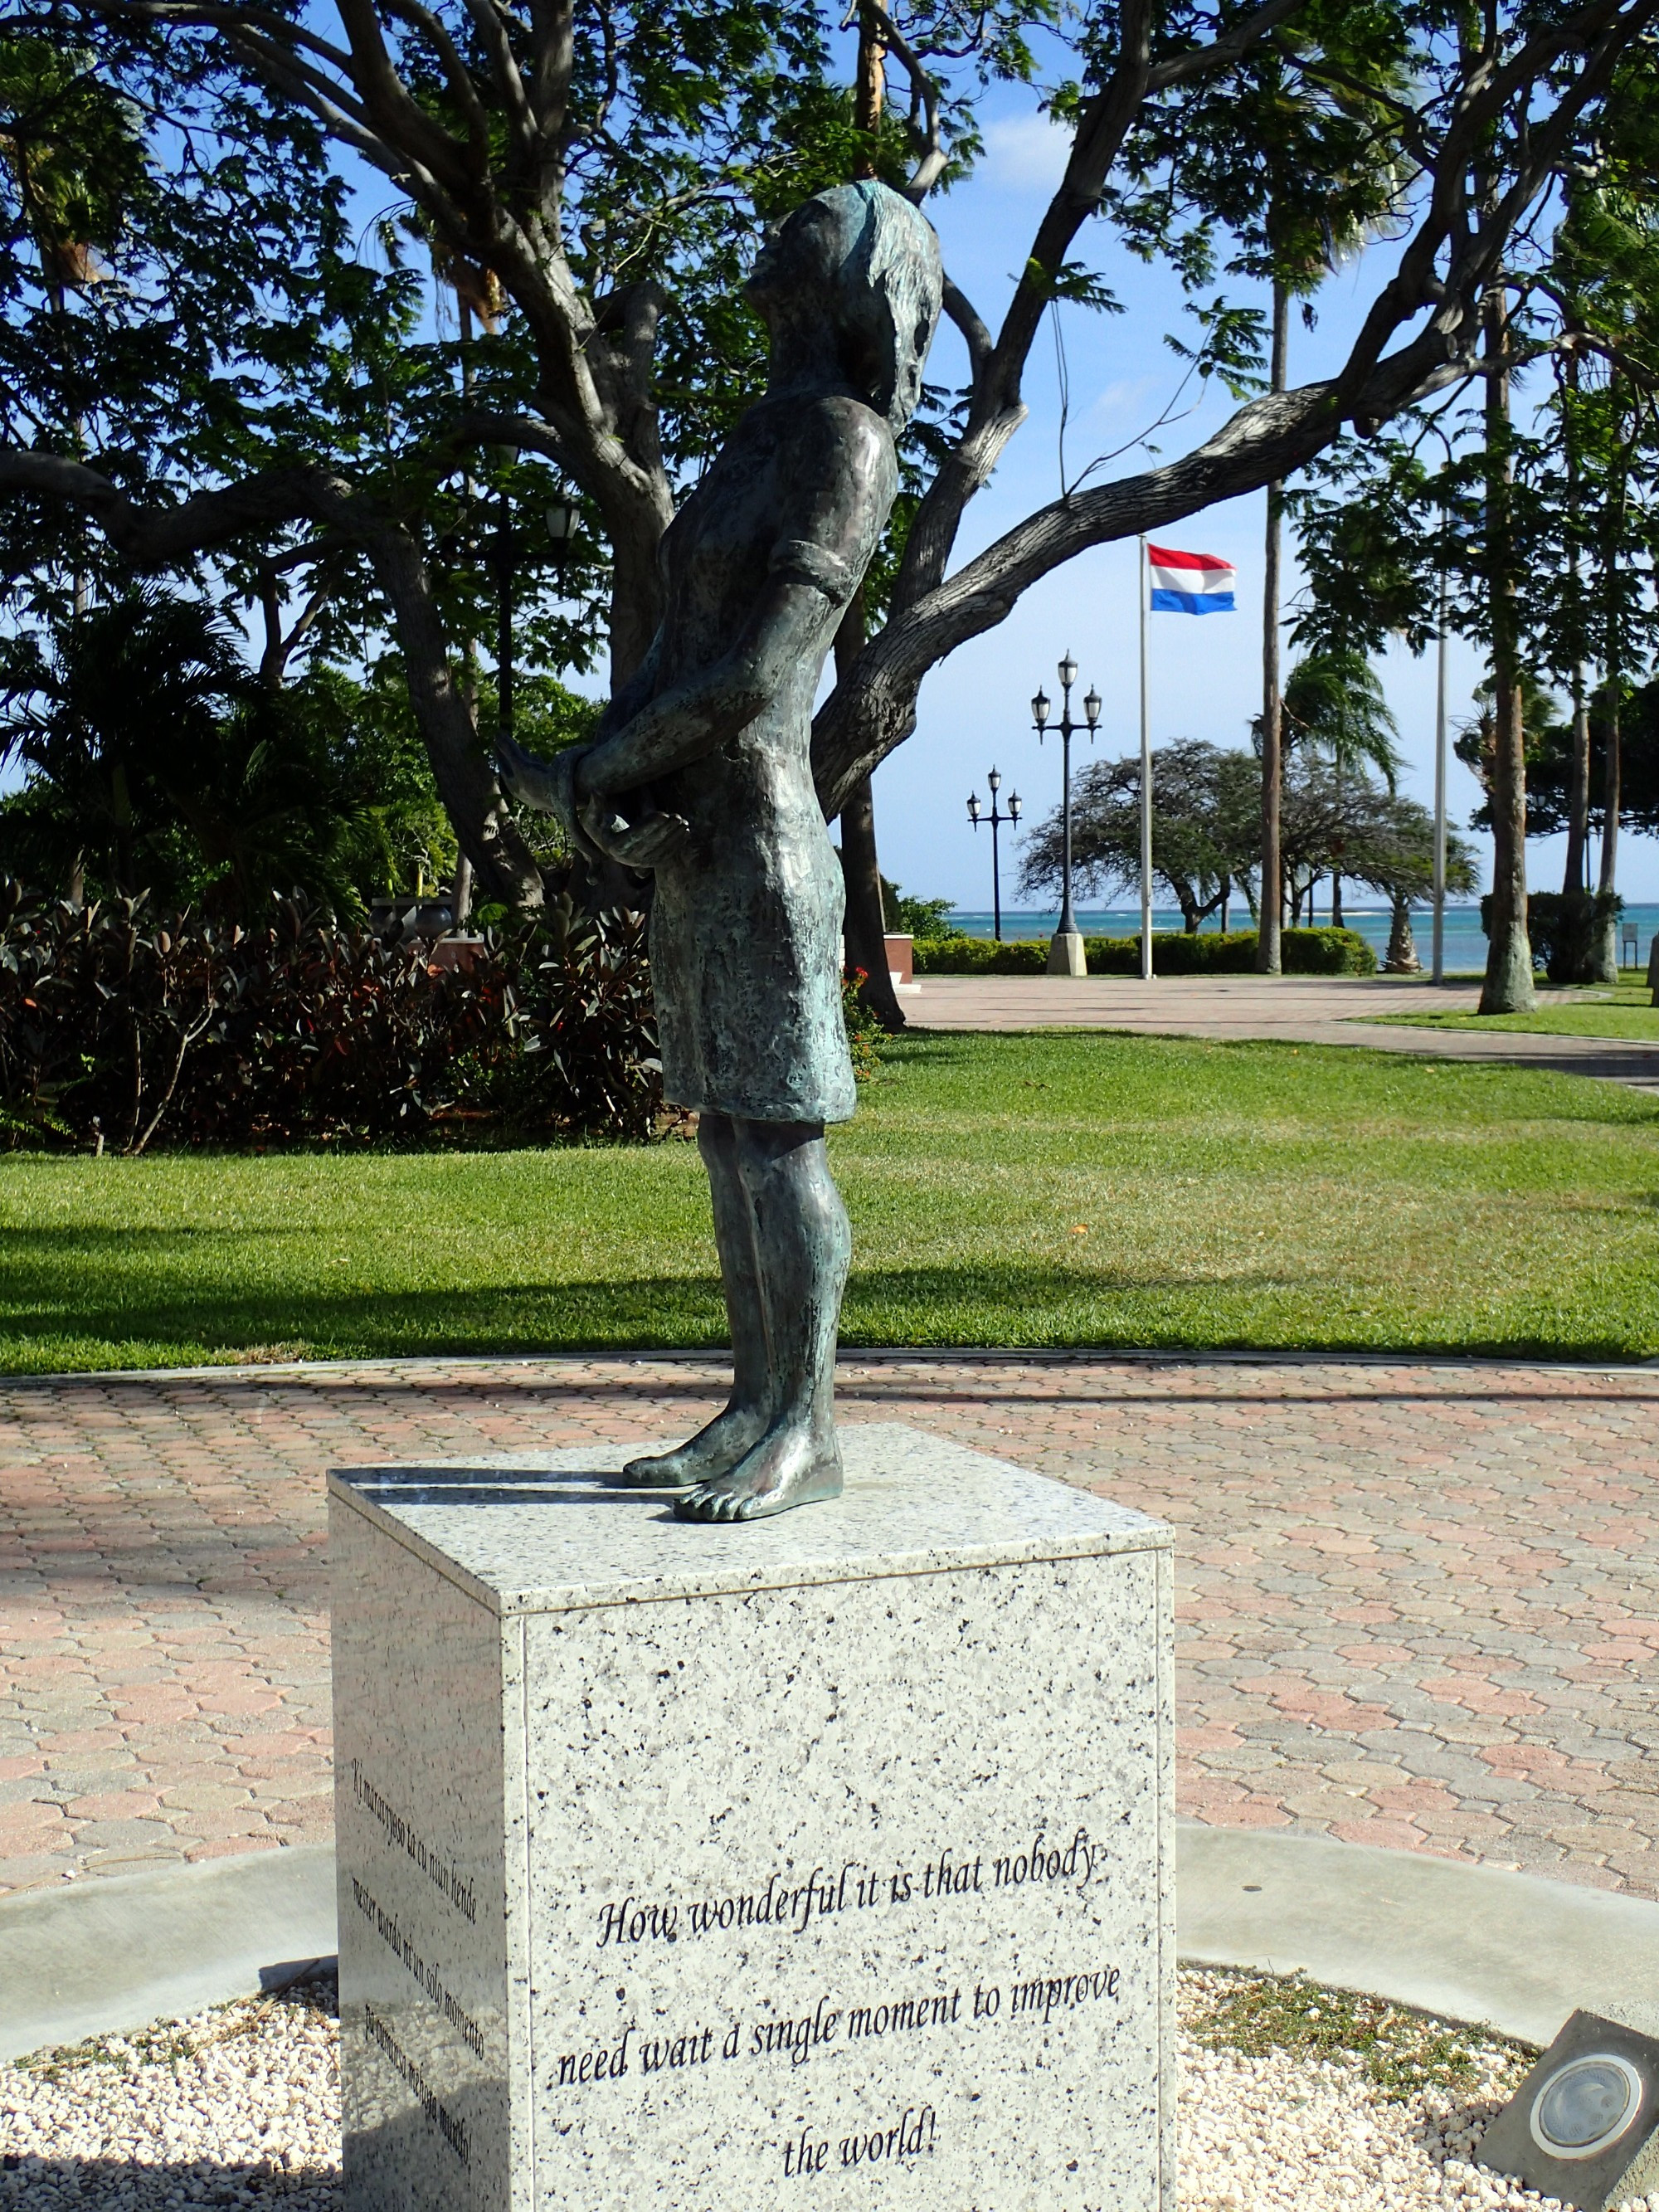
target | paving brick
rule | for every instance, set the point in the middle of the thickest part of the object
(1417, 1603)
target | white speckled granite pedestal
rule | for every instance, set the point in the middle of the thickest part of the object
(821, 1861)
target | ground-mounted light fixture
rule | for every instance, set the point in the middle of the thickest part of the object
(1584, 2124)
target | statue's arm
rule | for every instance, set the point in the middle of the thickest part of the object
(682, 724)
(549, 786)
(820, 552)
(634, 695)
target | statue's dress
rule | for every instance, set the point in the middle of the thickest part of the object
(745, 927)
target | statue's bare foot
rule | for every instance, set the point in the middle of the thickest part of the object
(790, 1465)
(712, 1451)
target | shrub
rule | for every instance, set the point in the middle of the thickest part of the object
(1565, 929)
(121, 1029)
(865, 1034)
(1302, 952)
(979, 955)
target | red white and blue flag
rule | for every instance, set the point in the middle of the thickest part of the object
(1189, 583)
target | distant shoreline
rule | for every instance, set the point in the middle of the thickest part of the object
(1464, 943)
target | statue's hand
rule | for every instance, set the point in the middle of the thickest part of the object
(548, 786)
(644, 844)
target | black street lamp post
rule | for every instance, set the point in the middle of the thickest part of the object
(996, 820)
(1066, 946)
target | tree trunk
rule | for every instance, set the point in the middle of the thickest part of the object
(1604, 955)
(1336, 900)
(866, 924)
(1508, 987)
(1273, 774)
(1603, 964)
(502, 862)
(1576, 872)
(870, 92)
(1401, 957)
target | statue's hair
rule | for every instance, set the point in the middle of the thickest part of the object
(889, 288)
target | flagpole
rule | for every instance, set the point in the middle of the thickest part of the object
(1438, 969)
(1145, 790)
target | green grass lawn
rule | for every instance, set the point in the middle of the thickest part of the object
(1625, 1011)
(1059, 1190)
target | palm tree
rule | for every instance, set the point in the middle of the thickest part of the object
(1314, 215)
(107, 710)
(1334, 706)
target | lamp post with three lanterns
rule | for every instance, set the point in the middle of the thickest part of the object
(1066, 946)
(996, 820)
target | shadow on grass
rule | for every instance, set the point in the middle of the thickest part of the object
(51, 1244)
(1011, 1305)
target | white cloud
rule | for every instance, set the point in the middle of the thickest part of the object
(1024, 154)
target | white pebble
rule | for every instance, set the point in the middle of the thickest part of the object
(250, 2094)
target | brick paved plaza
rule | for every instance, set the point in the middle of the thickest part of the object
(1419, 1604)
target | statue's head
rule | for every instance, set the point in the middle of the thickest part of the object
(865, 261)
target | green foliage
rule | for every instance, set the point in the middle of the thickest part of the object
(979, 955)
(1564, 928)
(73, 156)
(1549, 749)
(915, 917)
(865, 1034)
(1559, 532)
(1304, 952)
(1400, 2053)
(1206, 815)
(103, 708)
(1231, 344)
(1206, 806)
(1283, 166)
(156, 760)
(1333, 702)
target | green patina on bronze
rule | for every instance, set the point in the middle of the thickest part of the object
(701, 773)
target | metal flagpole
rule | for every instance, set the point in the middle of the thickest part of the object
(1439, 967)
(1145, 790)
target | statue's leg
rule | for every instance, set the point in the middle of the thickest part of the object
(803, 1245)
(748, 1412)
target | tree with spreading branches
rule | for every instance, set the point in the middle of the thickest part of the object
(592, 172)
(1204, 828)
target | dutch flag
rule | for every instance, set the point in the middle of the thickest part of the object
(1189, 583)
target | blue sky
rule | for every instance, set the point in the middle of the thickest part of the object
(1206, 672)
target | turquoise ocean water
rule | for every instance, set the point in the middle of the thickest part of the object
(1465, 943)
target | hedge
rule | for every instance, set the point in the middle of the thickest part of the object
(1302, 952)
(124, 1031)
(1565, 929)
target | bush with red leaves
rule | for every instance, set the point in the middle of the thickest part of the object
(130, 1031)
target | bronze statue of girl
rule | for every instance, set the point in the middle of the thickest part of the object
(701, 772)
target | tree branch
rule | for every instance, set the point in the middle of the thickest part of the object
(930, 162)
(975, 333)
(1221, 53)
(167, 537)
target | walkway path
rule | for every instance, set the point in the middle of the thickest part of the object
(1419, 1604)
(1293, 1009)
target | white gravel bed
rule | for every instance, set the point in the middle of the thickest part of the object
(242, 2105)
